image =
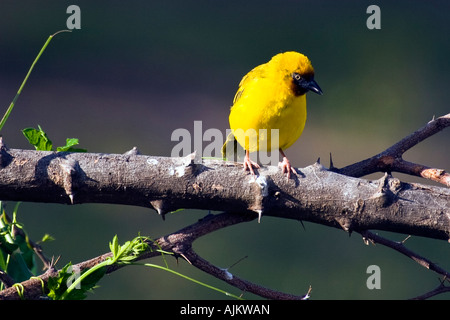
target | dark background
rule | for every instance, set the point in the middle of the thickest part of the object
(136, 71)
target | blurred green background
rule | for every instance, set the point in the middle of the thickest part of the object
(138, 70)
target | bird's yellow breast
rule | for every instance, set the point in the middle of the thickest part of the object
(266, 101)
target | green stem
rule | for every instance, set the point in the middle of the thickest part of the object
(11, 106)
(84, 276)
(191, 279)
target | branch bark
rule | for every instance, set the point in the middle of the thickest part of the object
(167, 184)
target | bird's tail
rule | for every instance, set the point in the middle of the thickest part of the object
(231, 145)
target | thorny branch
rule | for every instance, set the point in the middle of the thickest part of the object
(424, 262)
(380, 200)
(400, 247)
(441, 288)
(179, 243)
(391, 159)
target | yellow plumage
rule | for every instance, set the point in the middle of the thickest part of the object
(272, 96)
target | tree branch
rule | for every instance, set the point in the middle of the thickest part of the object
(400, 247)
(181, 243)
(167, 184)
(391, 159)
(424, 262)
(442, 288)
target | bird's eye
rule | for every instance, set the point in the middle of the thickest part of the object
(297, 76)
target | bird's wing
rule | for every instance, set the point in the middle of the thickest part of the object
(255, 74)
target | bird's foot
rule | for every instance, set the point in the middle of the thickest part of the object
(285, 166)
(249, 165)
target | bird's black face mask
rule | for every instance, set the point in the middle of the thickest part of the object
(304, 83)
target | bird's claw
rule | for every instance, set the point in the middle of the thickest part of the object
(286, 167)
(249, 165)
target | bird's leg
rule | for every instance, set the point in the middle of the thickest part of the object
(286, 165)
(249, 164)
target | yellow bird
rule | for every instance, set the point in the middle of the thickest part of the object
(272, 96)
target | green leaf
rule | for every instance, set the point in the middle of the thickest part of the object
(46, 238)
(128, 252)
(17, 257)
(18, 268)
(3, 260)
(58, 286)
(70, 143)
(38, 138)
(114, 246)
(16, 263)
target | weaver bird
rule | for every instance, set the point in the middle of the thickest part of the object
(272, 96)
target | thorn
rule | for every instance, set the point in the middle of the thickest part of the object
(308, 294)
(331, 162)
(69, 170)
(54, 261)
(2, 144)
(404, 240)
(5, 157)
(318, 160)
(190, 159)
(185, 258)
(432, 120)
(259, 215)
(207, 217)
(133, 151)
(367, 241)
(345, 225)
(190, 164)
(302, 225)
(158, 205)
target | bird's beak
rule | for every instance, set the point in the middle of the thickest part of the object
(305, 84)
(314, 87)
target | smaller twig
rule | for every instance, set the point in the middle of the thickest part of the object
(237, 282)
(399, 246)
(181, 241)
(441, 288)
(414, 169)
(6, 279)
(391, 159)
(33, 245)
